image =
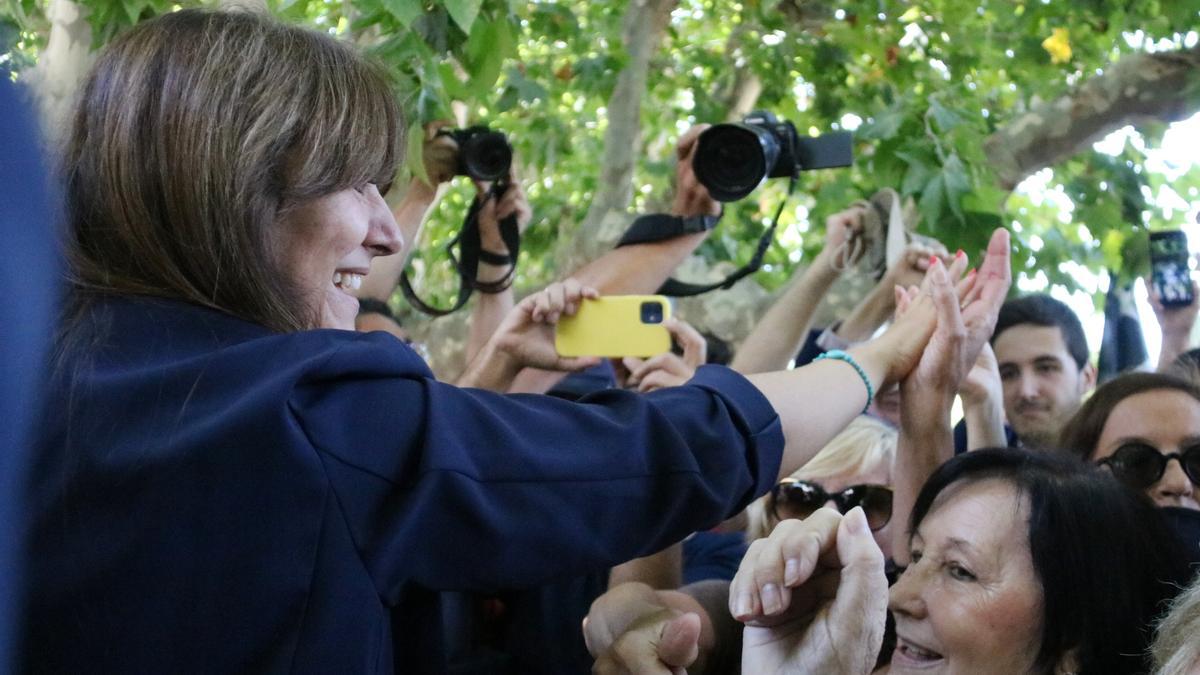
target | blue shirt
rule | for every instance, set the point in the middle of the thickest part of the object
(211, 496)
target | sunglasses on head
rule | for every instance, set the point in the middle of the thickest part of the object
(800, 498)
(1140, 465)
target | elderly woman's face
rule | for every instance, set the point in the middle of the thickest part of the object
(327, 245)
(1165, 420)
(970, 601)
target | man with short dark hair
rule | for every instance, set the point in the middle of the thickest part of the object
(1042, 356)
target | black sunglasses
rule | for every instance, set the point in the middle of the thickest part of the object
(801, 498)
(1140, 465)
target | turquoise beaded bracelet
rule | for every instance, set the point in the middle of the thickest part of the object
(839, 355)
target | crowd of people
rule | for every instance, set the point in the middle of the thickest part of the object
(248, 465)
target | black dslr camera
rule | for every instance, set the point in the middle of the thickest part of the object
(483, 154)
(734, 159)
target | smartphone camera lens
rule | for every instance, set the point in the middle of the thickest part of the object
(652, 312)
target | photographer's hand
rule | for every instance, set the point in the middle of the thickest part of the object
(491, 308)
(526, 338)
(691, 198)
(495, 209)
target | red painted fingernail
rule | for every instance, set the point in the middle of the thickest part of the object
(959, 254)
(933, 260)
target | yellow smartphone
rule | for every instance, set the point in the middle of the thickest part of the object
(614, 326)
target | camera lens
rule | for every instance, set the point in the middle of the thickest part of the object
(652, 312)
(734, 159)
(487, 156)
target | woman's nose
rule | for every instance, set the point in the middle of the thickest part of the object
(904, 597)
(383, 234)
(1174, 483)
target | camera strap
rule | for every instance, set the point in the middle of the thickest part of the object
(660, 227)
(471, 252)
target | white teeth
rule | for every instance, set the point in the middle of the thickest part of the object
(347, 280)
(921, 653)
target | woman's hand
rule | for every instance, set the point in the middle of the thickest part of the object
(669, 370)
(813, 596)
(961, 333)
(933, 383)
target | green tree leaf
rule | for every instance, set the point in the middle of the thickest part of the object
(405, 11)
(463, 12)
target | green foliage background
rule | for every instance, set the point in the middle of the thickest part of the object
(931, 79)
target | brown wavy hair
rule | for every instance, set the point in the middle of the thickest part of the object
(193, 133)
(1081, 434)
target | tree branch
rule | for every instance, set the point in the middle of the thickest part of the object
(642, 31)
(1164, 86)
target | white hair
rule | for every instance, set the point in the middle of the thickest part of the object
(865, 442)
(1176, 648)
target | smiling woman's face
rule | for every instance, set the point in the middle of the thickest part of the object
(970, 602)
(327, 245)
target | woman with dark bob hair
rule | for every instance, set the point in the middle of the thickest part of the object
(1104, 565)
(230, 479)
(1145, 427)
(1022, 562)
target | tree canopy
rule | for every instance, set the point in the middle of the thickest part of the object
(952, 103)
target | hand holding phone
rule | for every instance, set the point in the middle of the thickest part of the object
(1169, 272)
(615, 326)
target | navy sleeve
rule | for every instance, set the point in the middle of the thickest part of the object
(467, 489)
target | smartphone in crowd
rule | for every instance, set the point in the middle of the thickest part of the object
(1169, 270)
(614, 326)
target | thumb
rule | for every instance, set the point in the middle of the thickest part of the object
(680, 642)
(859, 611)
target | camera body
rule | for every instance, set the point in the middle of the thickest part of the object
(732, 160)
(483, 154)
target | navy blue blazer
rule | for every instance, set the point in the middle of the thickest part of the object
(210, 496)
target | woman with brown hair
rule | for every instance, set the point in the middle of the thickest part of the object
(1145, 427)
(222, 486)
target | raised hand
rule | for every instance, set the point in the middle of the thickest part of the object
(843, 236)
(691, 198)
(527, 335)
(813, 596)
(512, 202)
(669, 370)
(913, 264)
(982, 383)
(439, 154)
(933, 383)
